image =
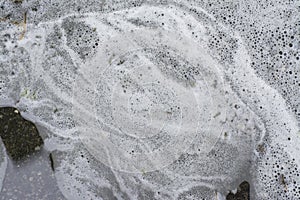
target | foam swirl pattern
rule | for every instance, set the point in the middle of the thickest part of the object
(160, 100)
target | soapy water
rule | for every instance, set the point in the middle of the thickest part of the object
(152, 102)
(148, 108)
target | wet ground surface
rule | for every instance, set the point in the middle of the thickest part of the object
(29, 174)
(243, 192)
(20, 137)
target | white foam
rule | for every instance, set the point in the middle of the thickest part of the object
(109, 113)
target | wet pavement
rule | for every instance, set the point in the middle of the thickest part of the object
(243, 192)
(30, 169)
(20, 136)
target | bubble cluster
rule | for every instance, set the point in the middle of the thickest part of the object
(280, 173)
(81, 38)
(271, 33)
(15, 68)
(198, 192)
(58, 65)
